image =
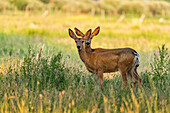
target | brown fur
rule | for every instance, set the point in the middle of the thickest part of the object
(111, 61)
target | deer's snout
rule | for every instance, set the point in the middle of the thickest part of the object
(88, 43)
(78, 47)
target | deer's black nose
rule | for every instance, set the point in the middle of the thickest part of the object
(78, 47)
(88, 43)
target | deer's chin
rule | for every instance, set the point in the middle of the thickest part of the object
(88, 45)
(79, 49)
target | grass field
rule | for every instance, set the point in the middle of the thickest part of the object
(40, 70)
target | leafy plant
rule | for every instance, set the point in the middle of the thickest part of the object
(20, 4)
(45, 79)
(161, 67)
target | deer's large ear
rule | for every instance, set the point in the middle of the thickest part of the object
(87, 35)
(95, 32)
(71, 33)
(78, 32)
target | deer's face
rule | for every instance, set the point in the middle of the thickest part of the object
(79, 43)
(88, 41)
(88, 36)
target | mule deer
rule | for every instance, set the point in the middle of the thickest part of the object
(81, 48)
(125, 60)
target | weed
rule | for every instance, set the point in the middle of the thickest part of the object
(46, 79)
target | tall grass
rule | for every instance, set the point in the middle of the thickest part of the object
(42, 82)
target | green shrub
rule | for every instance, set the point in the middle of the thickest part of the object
(40, 73)
(136, 7)
(49, 71)
(20, 4)
(157, 79)
(41, 81)
(161, 68)
(156, 8)
(45, 1)
(6, 4)
(103, 6)
(129, 7)
(74, 6)
(35, 5)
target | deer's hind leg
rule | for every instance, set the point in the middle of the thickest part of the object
(137, 76)
(130, 76)
(124, 76)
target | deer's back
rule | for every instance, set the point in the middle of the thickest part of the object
(111, 59)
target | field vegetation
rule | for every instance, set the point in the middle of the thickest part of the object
(131, 7)
(40, 70)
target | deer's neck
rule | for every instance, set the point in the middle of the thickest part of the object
(88, 49)
(82, 54)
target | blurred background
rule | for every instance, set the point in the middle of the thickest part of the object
(123, 22)
(143, 25)
(109, 7)
(131, 23)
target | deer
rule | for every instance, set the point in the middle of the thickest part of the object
(100, 60)
(81, 48)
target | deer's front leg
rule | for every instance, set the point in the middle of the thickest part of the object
(100, 76)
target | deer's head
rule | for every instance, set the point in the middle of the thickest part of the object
(88, 36)
(79, 41)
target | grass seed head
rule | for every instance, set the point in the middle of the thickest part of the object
(72, 103)
(69, 105)
(49, 109)
(26, 90)
(63, 92)
(105, 100)
(38, 83)
(40, 95)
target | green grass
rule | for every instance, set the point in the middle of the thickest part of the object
(43, 82)
(54, 29)
(40, 69)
